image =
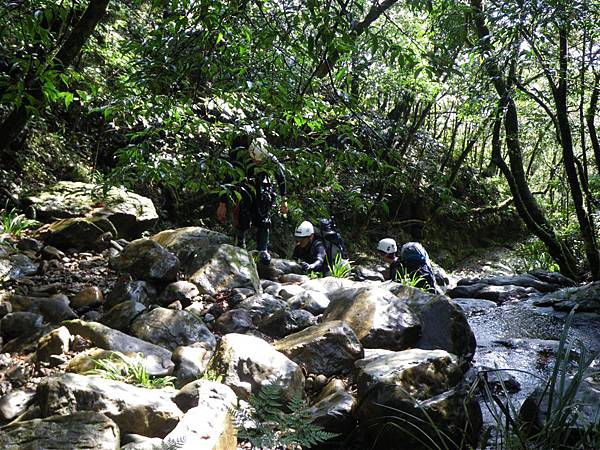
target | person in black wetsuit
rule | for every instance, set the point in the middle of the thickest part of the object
(257, 192)
(413, 262)
(310, 249)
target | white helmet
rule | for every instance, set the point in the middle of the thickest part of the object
(387, 245)
(258, 149)
(304, 229)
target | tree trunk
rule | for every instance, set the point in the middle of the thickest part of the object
(16, 121)
(560, 99)
(527, 206)
(591, 115)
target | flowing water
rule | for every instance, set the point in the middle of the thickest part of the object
(520, 337)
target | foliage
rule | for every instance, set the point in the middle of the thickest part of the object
(340, 268)
(12, 222)
(119, 367)
(559, 429)
(212, 375)
(410, 279)
(534, 255)
(266, 425)
(170, 444)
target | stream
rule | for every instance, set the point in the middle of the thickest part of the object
(519, 336)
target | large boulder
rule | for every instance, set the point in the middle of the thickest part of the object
(378, 318)
(402, 393)
(246, 363)
(443, 324)
(150, 412)
(185, 242)
(156, 359)
(145, 259)
(80, 233)
(327, 348)
(207, 425)
(129, 212)
(220, 267)
(78, 430)
(329, 285)
(261, 306)
(170, 329)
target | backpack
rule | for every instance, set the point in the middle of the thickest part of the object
(413, 255)
(334, 244)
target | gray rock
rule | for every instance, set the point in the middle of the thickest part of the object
(261, 306)
(471, 306)
(147, 260)
(156, 359)
(289, 290)
(80, 430)
(312, 301)
(19, 324)
(185, 242)
(333, 409)
(80, 233)
(14, 404)
(220, 267)
(54, 309)
(376, 316)
(55, 343)
(410, 388)
(443, 325)
(50, 252)
(30, 244)
(586, 397)
(363, 273)
(190, 363)
(277, 268)
(247, 362)
(207, 426)
(285, 322)
(122, 315)
(234, 321)
(584, 297)
(293, 278)
(182, 291)
(327, 348)
(16, 266)
(149, 412)
(171, 329)
(329, 285)
(129, 212)
(125, 290)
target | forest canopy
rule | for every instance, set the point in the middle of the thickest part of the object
(421, 114)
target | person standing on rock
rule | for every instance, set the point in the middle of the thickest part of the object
(413, 263)
(255, 191)
(310, 249)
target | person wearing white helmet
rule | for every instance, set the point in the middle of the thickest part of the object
(412, 262)
(310, 249)
(256, 191)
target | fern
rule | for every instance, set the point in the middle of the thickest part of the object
(265, 424)
(170, 444)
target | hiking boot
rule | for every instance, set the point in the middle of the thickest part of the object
(264, 257)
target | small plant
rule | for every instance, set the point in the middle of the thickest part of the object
(314, 275)
(170, 444)
(212, 375)
(265, 425)
(534, 255)
(340, 268)
(132, 371)
(14, 223)
(410, 279)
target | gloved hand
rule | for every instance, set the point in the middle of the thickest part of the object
(305, 266)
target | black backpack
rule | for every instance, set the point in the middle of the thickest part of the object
(413, 255)
(334, 244)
